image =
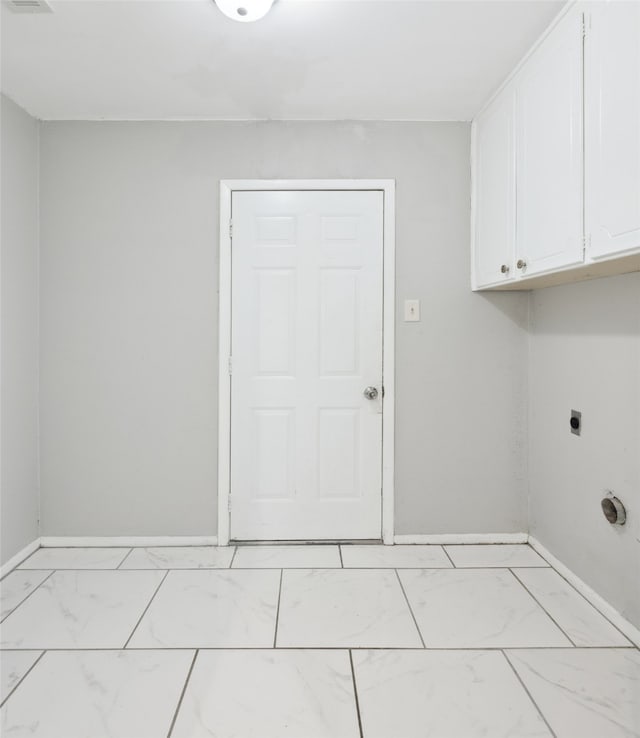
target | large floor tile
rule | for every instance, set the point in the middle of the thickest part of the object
(584, 625)
(81, 609)
(584, 693)
(18, 585)
(269, 694)
(499, 555)
(445, 694)
(477, 608)
(344, 608)
(98, 694)
(75, 558)
(402, 557)
(286, 557)
(13, 666)
(180, 557)
(212, 609)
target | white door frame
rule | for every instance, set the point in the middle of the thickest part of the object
(227, 187)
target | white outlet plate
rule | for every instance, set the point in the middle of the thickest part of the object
(411, 311)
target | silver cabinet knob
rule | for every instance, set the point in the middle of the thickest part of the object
(521, 263)
(504, 268)
(370, 393)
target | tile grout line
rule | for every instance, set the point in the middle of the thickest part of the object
(377, 567)
(184, 689)
(235, 551)
(144, 612)
(355, 693)
(86, 547)
(586, 599)
(526, 689)
(69, 649)
(549, 615)
(24, 676)
(446, 553)
(406, 599)
(503, 566)
(49, 575)
(275, 634)
(126, 556)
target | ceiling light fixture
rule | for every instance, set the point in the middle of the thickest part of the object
(244, 11)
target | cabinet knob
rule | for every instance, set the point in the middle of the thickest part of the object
(521, 263)
(504, 268)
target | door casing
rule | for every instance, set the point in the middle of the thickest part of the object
(227, 188)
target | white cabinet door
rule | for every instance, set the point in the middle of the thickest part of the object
(306, 444)
(549, 152)
(612, 128)
(494, 192)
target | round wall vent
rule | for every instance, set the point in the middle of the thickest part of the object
(613, 510)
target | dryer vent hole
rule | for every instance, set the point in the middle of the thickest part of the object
(614, 510)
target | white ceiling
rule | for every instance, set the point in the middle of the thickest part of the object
(308, 59)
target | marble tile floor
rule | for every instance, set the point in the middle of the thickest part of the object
(353, 641)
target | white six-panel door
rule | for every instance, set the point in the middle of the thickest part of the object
(306, 340)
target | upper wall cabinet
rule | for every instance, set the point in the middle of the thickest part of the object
(549, 153)
(495, 185)
(612, 128)
(532, 172)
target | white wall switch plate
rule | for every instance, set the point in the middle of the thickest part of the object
(411, 311)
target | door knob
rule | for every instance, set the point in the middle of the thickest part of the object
(370, 393)
(504, 268)
(521, 264)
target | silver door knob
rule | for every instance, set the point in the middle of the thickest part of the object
(521, 264)
(370, 393)
(504, 268)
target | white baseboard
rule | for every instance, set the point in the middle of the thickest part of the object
(454, 538)
(19, 557)
(630, 630)
(112, 541)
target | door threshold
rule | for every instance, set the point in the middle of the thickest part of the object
(323, 542)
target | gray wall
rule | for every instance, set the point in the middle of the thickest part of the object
(585, 355)
(129, 222)
(18, 329)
